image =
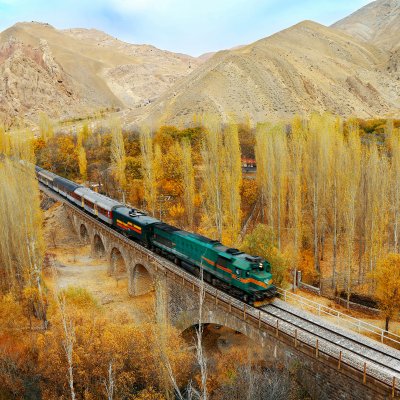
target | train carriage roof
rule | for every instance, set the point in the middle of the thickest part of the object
(96, 198)
(71, 186)
(138, 216)
(189, 235)
(82, 190)
(47, 174)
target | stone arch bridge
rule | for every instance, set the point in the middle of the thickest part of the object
(178, 298)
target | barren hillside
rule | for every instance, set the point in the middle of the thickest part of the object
(351, 68)
(305, 68)
(377, 23)
(78, 71)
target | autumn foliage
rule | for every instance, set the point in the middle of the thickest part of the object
(327, 188)
(387, 290)
(132, 350)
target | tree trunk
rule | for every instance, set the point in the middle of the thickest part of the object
(387, 319)
(315, 218)
(334, 239)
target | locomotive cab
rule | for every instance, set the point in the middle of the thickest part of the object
(255, 274)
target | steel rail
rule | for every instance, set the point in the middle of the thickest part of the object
(336, 333)
(354, 323)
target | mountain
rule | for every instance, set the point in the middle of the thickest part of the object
(306, 68)
(377, 23)
(351, 68)
(77, 71)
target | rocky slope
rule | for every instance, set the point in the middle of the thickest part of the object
(150, 72)
(303, 69)
(32, 81)
(377, 23)
(66, 73)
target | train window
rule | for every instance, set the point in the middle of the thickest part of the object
(163, 241)
(223, 262)
(89, 203)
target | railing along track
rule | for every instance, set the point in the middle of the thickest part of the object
(322, 310)
(341, 338)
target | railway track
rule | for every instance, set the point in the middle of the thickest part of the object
(355, 348)
(362, 354)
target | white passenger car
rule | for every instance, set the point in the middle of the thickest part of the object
(99, 205)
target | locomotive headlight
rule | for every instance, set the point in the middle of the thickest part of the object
(260, 266)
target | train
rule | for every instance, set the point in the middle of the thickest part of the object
(245, 277)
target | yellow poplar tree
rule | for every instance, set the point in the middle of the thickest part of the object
(352, 163)
(148, 170)
(337, 196)
(188, 182)
(213, 176)
(387, 277)
(82, 157)
(4, 141)
(46, 127)
(376, 173)
(295, 168)
(272, 173)
(319, 138)
(21, 244)
(118, 156)
(265, 171)
(232, 176)
(393, 143)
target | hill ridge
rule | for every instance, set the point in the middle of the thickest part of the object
(303, 69)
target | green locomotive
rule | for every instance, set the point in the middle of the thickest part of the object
(246, 277)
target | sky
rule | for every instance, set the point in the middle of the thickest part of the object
(186, 26)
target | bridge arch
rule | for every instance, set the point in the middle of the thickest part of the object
(118, 264)
(83, 233)
(140, 280)
(224, 338)
(212, 315)
(99, 249)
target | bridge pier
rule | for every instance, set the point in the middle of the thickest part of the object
(140, 279)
